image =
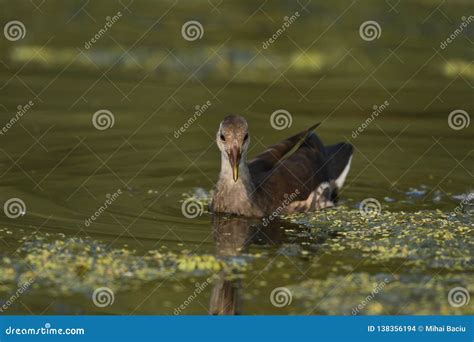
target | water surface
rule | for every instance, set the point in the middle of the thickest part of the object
(143, 248)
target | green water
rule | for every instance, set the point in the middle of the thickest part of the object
(142, 247)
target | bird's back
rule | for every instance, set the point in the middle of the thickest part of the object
(298, 174)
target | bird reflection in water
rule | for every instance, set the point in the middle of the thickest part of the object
(233, 237)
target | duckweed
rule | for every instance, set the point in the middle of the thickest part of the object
(75, 265)
(424, 240)
(331, 261)
(382, 294)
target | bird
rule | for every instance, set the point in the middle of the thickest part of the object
(297, 175)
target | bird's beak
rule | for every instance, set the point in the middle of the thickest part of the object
(234, 158)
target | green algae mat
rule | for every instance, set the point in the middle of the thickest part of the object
(335, 262)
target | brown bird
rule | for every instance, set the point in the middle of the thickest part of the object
(299, 174)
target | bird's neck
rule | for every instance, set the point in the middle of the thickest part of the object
(244, 182)
(234, 196)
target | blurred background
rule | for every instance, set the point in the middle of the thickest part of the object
(119, 101)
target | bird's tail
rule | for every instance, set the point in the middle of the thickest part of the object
(340, 156)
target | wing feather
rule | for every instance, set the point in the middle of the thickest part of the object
(273, 155)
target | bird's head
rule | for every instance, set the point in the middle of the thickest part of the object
(233, 140)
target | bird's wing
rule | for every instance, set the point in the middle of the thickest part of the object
(266, 160)
(297, 168)
(340, 156)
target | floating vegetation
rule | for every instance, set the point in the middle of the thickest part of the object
(76, 265)
(423, 240)
(382, 294)
(336, 261)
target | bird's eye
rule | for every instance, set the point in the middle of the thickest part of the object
(222, 137)
(246, 137)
